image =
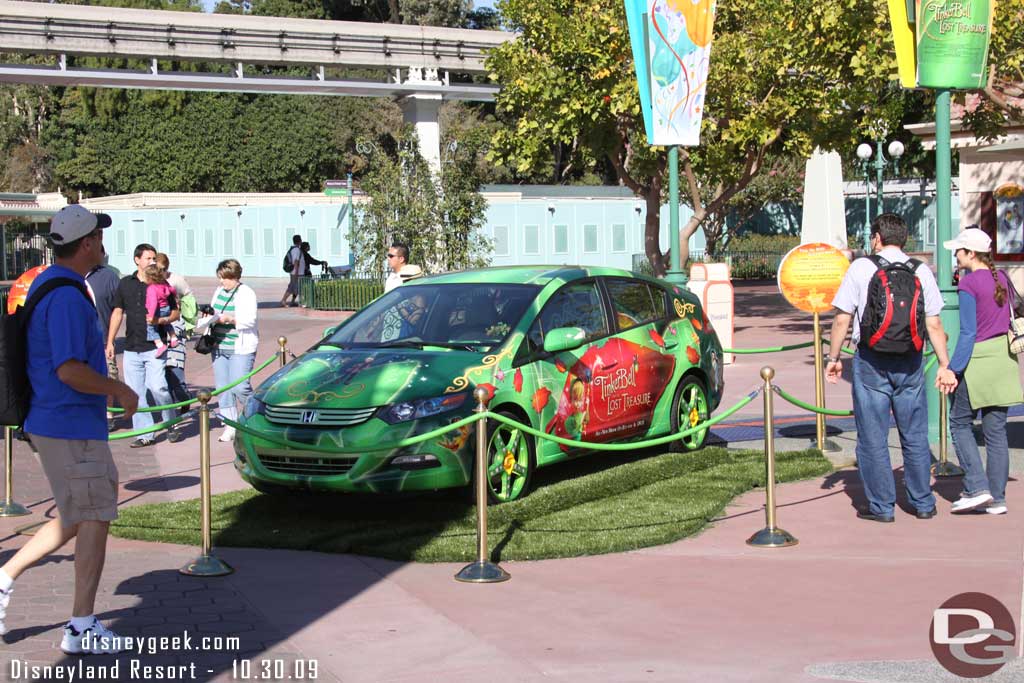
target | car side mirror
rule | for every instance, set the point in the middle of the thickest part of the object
(564, 339)
(328, 331)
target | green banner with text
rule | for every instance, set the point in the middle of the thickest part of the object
(952, 43)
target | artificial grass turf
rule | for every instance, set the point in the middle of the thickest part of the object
(646, 500)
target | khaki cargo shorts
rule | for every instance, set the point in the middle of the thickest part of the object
(83, 478)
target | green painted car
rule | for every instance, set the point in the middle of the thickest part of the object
(586, 354)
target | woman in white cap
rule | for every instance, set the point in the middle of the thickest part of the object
(987, 371)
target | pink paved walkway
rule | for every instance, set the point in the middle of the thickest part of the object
(707, 608)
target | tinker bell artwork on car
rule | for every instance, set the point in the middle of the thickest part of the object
(582, 353)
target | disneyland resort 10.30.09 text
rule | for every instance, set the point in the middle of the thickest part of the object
(136, 667)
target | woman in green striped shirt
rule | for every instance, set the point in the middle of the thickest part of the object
(237, 337)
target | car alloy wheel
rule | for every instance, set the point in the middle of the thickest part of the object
(510, 461)
(689, 409)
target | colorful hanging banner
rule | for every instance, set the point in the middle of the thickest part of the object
(952, 43)
(638, 42)
(676, 35)
(901, 18)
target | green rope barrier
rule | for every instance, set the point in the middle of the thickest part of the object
(772, 349)
(847, 349)
(155, 428)
(189, 402)
(633, 445)
(155, 409)
(234, 384)
(930, 363)
(807, 406)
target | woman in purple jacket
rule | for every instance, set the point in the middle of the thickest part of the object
(987, 373)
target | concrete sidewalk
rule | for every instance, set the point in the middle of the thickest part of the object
(852, 601)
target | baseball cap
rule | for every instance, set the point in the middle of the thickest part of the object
(74, 222)
(972, 239)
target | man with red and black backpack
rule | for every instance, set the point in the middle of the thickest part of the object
(892, 302)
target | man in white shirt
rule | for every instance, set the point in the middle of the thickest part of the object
(885, 383)
(398, 256)
(297, 258)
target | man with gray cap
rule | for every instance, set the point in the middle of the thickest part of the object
(67, 424)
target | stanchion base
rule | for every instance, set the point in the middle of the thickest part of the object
(30, 529)
(947, 469)
(772, 538)
(482, 572)
(829, 446)
(9, 508)
(206, 565)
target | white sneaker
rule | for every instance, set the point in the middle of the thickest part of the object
(968, 503)
(5, 597)
(227, 435)
(997, 509)
(95, 640)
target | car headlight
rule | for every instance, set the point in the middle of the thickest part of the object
(254, 407)
(424, 407)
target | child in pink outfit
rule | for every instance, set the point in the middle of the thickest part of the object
(158, 305)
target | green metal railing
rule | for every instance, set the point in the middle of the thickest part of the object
(349, 294)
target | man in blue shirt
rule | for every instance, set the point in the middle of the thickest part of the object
(67, 424)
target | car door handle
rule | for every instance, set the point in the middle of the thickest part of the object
(671, 343)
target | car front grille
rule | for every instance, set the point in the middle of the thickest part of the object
(318, 417)
(308, 465)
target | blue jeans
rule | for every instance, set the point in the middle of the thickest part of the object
(977, 479)
(227, 368)
(884, 384)
(153, 331)
(144, 371)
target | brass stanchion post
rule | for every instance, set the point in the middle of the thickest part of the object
(8, 508)
(483, 570)
(824, 445)
(206, 564)
(943, 468)
(282, 342)
(771, 536)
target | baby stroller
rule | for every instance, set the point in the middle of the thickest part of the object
(334, 272)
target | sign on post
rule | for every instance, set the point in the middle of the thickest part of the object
(810, 275)
(336, 188)
(952, 43)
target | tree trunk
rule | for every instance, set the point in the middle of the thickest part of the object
(652, 227)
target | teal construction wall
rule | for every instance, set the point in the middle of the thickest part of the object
(548, 225)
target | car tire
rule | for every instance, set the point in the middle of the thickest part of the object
(508, 481)
(690, 408)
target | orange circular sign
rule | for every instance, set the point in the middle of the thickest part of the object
(19, 290)
(810, 274)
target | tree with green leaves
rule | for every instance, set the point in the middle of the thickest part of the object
(1003, 99)
(439, 218)
(784, 78)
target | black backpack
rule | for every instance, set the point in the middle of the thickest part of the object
(288, 265)
(893, 320)
(14, 387)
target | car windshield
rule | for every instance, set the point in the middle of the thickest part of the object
(462, 316)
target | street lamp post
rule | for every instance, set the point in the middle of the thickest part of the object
(864, 153)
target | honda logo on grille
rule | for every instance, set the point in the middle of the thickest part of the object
(308, 416)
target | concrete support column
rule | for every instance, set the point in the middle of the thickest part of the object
(421, 110)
